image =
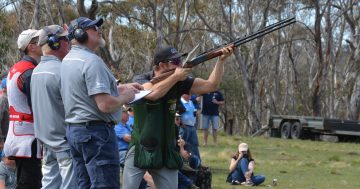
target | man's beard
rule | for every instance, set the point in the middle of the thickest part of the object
(102, 42)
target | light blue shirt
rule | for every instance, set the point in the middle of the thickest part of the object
(188, 118)
(130, 121)
(121, 130)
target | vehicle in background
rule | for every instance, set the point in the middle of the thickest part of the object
(303, 127)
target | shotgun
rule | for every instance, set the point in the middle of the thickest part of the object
(215, 52)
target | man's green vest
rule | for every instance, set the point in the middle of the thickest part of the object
(154, 133)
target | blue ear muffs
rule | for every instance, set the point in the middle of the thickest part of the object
(53, 42)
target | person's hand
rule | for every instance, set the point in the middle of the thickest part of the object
(214, 101)
(181, 142)
(130, 86)
(227, 51)
(127, 92)
(182, 73)
(198, 112)
(136, 85)
(240, 156)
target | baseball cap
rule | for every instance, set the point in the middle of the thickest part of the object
(25, 38)
(54, 30)
(243, 147)
(83, 22)
(167, 53)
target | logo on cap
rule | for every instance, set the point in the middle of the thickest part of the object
(173, 51)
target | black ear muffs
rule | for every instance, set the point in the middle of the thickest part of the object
(80, 34)
(53, 42)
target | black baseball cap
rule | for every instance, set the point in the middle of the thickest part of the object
(166, 53)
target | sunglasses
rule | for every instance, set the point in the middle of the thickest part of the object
(96, 28)
(175, 61)
(177, 119)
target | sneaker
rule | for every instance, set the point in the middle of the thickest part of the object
(235, 182)
(248, 183)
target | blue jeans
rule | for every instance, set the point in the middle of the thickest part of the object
(57, 169)
(184, 181)
(122, 155)
(239, 173)
(188, 133)
(95, 155)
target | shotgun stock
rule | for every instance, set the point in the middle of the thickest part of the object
(215, 52)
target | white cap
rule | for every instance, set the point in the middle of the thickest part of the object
(25, 38)
(243, 147)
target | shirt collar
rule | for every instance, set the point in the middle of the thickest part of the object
(81, 47)
(49, 58)
(184, 101)
(30, 59)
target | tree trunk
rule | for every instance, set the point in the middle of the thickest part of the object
(354, 111)
(36, 17)
(317, 89)
(62, 18)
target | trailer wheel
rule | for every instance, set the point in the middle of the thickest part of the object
(296, 130)
(285, 130)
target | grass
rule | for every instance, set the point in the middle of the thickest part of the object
(296, 164)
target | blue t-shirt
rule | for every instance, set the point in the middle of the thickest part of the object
(130, 122)
(210, 108)
(188, 118)
(121, 130)
(195, 102)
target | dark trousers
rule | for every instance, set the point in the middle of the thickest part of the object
(95, 155)
(28, 171)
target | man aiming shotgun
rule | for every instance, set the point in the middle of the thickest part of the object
(153, 145)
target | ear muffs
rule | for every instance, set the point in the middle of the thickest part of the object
(53, 42)
(80, 34)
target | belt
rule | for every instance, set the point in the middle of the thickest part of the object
(95, 123)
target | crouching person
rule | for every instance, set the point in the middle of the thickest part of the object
(242, 168)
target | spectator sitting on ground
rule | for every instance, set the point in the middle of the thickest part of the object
(7, 173)
(187, 174)
(242, 168)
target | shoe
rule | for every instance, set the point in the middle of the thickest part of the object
(248, 183)
(193, 186)
(235, 182)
